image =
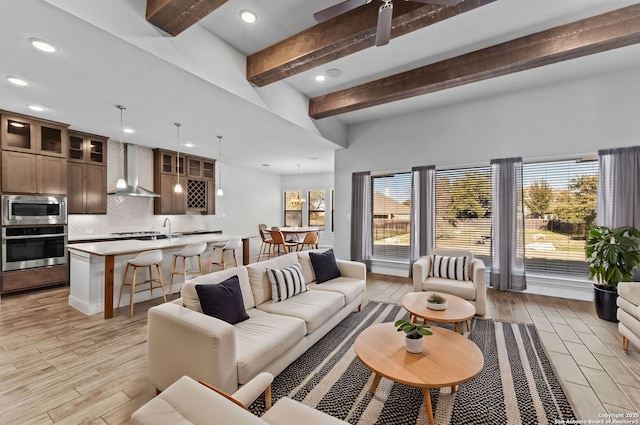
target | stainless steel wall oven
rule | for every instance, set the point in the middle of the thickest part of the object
(32, 247)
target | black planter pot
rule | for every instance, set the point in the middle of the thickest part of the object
(605, 301)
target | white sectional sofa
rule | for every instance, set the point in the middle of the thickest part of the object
(184, 341)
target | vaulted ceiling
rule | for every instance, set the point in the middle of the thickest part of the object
(255, 85)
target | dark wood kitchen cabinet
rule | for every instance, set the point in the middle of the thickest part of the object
(87, 174)
(29, 173)
(29, 135)
(33, 278)
(197, 180)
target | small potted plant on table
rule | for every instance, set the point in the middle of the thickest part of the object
(414, 333)
(612, 255)
(436, 302)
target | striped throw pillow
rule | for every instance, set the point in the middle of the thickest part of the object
(285, 283)
(455, 268)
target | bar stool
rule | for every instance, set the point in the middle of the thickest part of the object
(231, 245)
(144, 259)
(189, 251)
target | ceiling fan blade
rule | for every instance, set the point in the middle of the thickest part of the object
(449, 3)
(383, 33)
(338, 9)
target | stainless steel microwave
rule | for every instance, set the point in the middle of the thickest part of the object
(33, 210)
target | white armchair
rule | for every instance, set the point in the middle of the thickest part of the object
(629, 313)
(474, 291)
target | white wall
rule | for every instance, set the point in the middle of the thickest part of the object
(558, 121)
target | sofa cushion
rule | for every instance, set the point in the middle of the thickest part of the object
(324, 265)
(459, 288)
(190, 296)
(305, 262)
(258, 279)
(264, 338)
(349, 287)
(223, 300)
(456, 268)
(630, 291)
(314, 307)
(287, 282)
(290, 412)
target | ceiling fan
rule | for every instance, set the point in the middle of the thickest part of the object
(385, 14)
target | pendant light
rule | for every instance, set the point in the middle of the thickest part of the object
(298, 201)
(121, 184)
(178, 187)
(220, 192)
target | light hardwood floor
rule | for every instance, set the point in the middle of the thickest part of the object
(58, 366)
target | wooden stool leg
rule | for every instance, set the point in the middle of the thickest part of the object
(164, 296)
(235, 258)
(199, 267)
(124, 278)
(151, 287)
(133, 291)
(173, 270)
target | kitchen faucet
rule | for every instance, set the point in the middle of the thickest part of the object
(166, 220)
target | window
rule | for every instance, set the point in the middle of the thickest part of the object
(463, 211)
(316, 208)
(292, 209)
(560, 206)
(391, 215)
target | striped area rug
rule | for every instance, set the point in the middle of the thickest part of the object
(516, 386)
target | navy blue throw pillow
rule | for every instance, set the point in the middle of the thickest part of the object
(223, 300)
(324, 265)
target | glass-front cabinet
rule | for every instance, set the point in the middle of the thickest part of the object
(22, 134)
(87, 148)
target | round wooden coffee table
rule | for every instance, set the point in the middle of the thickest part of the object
(447, 359)
(457, 311)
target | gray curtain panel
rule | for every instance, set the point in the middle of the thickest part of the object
(361, 218)
(507, 212)
(422, 212)
(619, 187)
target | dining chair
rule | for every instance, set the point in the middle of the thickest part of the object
(278, 240)
(310, 240)
(267, 243)
(229, 246)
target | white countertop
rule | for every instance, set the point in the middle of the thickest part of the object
(131, 246)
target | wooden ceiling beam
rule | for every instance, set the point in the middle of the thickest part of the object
(175, 16)
(597, 34)
(342, 36)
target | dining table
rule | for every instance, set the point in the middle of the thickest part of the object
(299, 231)
(110, 249)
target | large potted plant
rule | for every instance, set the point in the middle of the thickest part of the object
(612, 255)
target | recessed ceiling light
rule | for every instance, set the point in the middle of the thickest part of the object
(314, 158)
(188, 145)
(128, 130)
(333, 72)
(320, 78)
(36, 108)
(42, 45)
(17, 81)
(248, 16)
(266, 165)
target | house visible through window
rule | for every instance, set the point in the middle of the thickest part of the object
(292, 208)
(391, 215)
(316, 208)
(463, 211)
(560, 206)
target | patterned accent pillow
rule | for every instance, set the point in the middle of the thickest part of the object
(455, 268)
(285, 283)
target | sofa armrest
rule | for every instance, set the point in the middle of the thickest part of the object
(421, 269)
(250, 391)
(478, 278)
(352, 269)
(181, 342)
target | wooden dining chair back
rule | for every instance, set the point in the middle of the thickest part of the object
(310, 240)
(279, 241)
(267, 243)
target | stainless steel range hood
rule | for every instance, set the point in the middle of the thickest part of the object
(131, 176)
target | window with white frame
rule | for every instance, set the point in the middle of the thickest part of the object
(391, 209)
(560, 206)
(316, 208)
(463, 211)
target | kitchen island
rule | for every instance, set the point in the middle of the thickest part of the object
(93, 267)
